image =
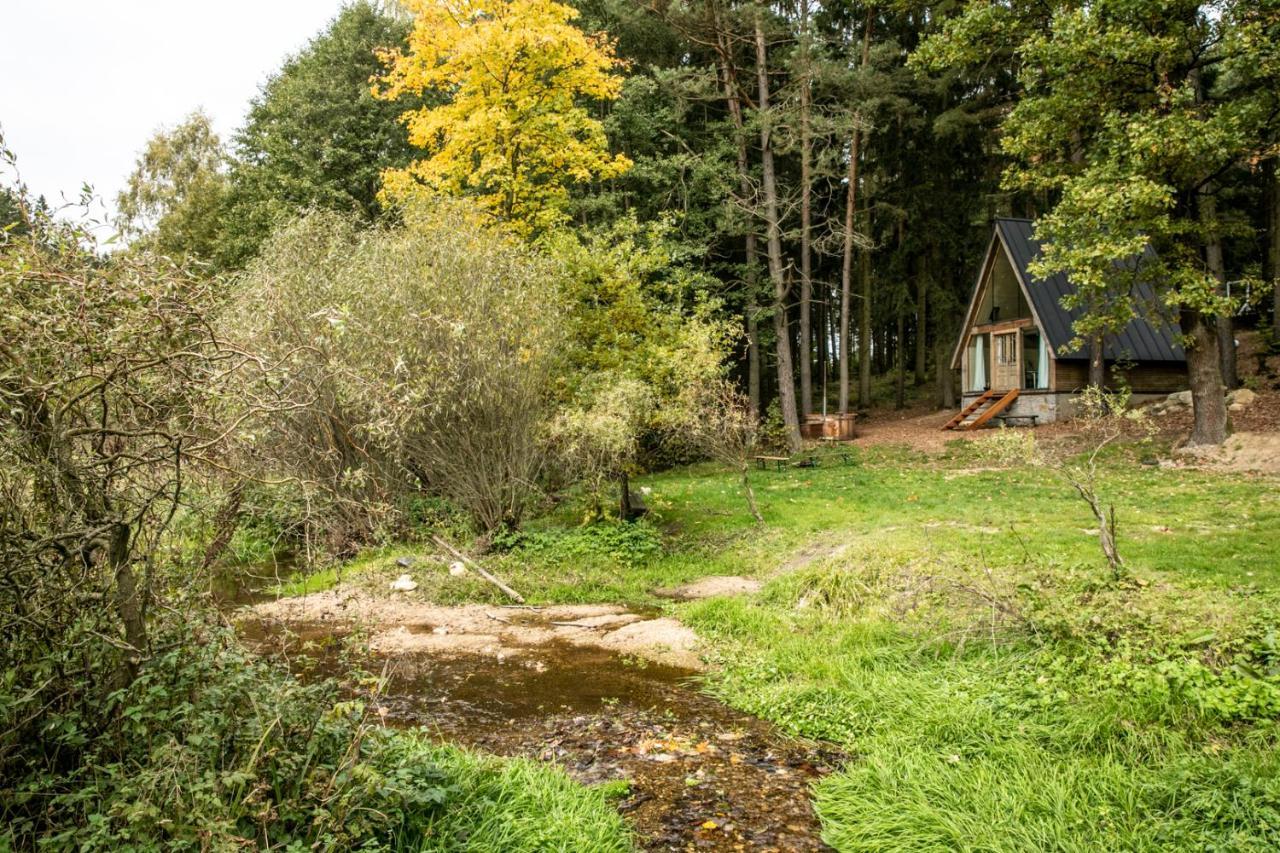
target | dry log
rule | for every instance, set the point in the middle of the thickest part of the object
(479, 569)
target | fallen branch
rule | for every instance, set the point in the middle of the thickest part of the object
(576, 625)
(504, 620)
(480, 570)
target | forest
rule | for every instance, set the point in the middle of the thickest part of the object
(443, 461)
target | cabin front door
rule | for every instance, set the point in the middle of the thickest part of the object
(1006, 369)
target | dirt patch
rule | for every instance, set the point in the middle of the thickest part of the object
(700, 775)
(1256, 452)
(920, 428)
(400, 624)
(711, 587)
(812, 553)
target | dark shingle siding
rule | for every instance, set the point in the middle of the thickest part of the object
(1141, 340)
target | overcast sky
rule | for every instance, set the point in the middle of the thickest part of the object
(84, 83)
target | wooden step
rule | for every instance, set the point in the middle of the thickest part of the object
(994, 409)
(968, 410)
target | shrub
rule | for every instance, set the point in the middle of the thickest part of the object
(413, 357)
(624, 544)
(208, 746)
(111, 383)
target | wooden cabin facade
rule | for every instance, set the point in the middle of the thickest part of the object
(1014, 352)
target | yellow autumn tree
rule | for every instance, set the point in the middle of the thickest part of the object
(511, 130)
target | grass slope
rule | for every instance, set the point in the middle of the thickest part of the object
(1093, 715)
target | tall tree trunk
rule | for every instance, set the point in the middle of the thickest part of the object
(806, 177)
(773, 246)
(753, 327)
(864, 332)
(922, 305)
(1097, 364)
(900, 395)
(1204, 356)
(846, 268)
(846, 271)
(1217, 268)
(824, 352)
(1272, 271)
(734, 102)
(833, 336)
(1204, 374)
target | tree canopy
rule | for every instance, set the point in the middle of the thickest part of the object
(315, 137)
(512, 130)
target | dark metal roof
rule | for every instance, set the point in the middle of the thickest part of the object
(1147, 337)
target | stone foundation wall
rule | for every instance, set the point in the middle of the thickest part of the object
(1044, 405)
(1049, 406)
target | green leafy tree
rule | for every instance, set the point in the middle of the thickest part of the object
(172, 201)
(315, 137)
(640, 332)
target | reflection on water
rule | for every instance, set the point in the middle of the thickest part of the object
(249, 583)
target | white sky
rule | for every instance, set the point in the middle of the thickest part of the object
(84, 83)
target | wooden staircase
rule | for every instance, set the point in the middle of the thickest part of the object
(983, 409)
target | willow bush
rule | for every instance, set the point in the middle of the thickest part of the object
(109, 373)
(416, 357)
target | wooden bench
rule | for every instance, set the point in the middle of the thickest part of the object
(1016, 420)
(762, 462)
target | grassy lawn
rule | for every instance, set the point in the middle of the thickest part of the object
(952, 624)
(954, 627)
(1188, 527)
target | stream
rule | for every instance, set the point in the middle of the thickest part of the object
(701, 775)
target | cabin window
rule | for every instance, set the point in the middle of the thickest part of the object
(978, 363)
(1006, 350)
(1002, 297)
(1035, 373)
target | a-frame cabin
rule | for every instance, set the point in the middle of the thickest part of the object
(1014, 353)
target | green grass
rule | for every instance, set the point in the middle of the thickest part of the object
(499, 805)
(1005, 747)
(1217, 530)
(1100, 718)
(1209, 529)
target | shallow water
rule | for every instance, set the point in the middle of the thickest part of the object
(702, 776)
